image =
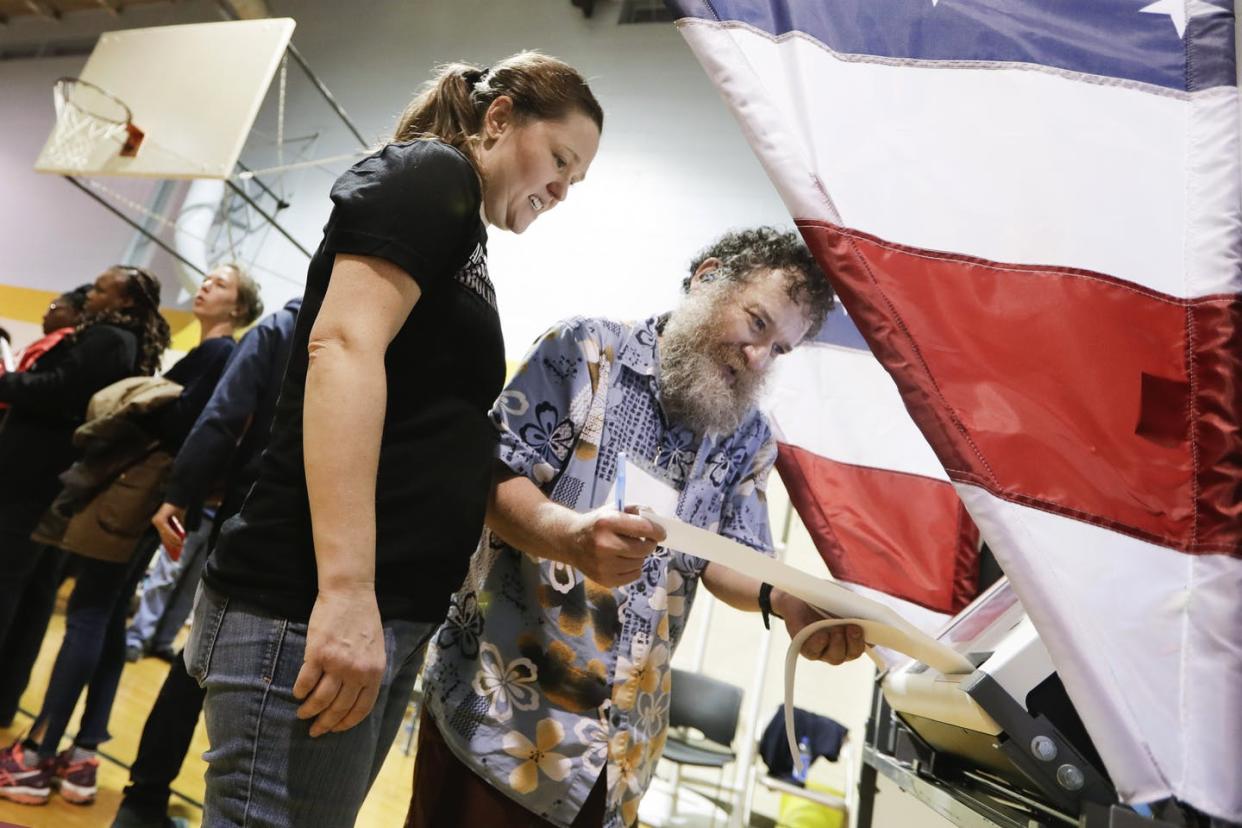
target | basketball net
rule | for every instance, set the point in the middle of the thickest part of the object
(92, 127)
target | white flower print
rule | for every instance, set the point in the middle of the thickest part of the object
(593, 734)
(625, 777)
(538, 756)
(670, 597)
(652, 712)
(562, 576)
(658, 600)
(513, 402)
(505, 686)
(640, 673)
(543, 473)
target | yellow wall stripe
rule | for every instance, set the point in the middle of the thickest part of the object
(28, 305)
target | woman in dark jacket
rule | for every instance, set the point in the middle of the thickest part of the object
(121, 334)
(19, 651)
(94, 644)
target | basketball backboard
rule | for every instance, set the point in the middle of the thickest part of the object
(193, 90)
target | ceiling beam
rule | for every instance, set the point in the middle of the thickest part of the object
(43, 9)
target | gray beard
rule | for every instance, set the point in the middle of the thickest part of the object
(693, 389)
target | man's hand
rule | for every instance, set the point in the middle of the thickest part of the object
(344, 662)
(169, 521)
(609, 547)
(835, 645)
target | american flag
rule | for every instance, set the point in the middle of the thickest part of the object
(1031, 211)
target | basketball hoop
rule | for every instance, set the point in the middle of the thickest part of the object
(92, 126)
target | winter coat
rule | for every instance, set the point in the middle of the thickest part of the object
(111, 492)
(48, 402)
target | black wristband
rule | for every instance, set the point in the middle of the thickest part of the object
(765, 604)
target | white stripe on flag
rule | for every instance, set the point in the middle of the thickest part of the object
(1147, 688)
(1035, 167)
(841, 404)
(1013, 176)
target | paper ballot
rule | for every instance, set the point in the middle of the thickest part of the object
(881, 626)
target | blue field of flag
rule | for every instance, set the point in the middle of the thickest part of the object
(1167, 43)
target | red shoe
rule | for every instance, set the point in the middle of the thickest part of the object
(76, 780)
(29, 786)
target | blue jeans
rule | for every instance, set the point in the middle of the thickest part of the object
(263, 767)
(168, 592)
(92, 651)
(19, 648)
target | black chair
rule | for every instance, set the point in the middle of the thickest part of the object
(711, 707)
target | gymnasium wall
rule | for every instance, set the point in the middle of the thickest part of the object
(673, 171)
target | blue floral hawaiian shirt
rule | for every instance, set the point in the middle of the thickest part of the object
(540, 679)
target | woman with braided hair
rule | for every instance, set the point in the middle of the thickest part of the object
(112, 549)
(121, 334)
(128, 298)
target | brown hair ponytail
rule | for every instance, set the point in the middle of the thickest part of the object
(451, 106)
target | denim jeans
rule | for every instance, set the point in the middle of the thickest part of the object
(162, 750)
(19, 647)
(167, 592)
(263, 767)
(92, 651)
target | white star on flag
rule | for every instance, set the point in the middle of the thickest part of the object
(1178, 11)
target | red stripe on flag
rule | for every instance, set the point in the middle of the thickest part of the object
(899, 533)
(1062, 389)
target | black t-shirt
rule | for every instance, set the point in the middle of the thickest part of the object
(417, 205)
(198, 373)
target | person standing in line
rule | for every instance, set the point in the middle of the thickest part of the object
(61, 317)
(227, 441)
(372, 491)
(20, 648)
(112, 551)
(121, 334)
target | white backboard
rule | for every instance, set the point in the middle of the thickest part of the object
(193, 90)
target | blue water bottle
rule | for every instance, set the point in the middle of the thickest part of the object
(804, 750)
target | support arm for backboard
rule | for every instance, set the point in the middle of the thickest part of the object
(144, 231)
(227, 9)
(327, 95)
(267, 216)
(280, 202)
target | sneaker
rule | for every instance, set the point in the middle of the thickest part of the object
(128, 817)
(29, 786)
(134, 652)
(76, 780)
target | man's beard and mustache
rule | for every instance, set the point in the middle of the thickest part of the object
(693, 386)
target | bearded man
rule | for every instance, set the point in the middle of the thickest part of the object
(547, 688)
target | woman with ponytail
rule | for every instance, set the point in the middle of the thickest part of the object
(320, 594)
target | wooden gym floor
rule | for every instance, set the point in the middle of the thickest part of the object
(140, 684)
